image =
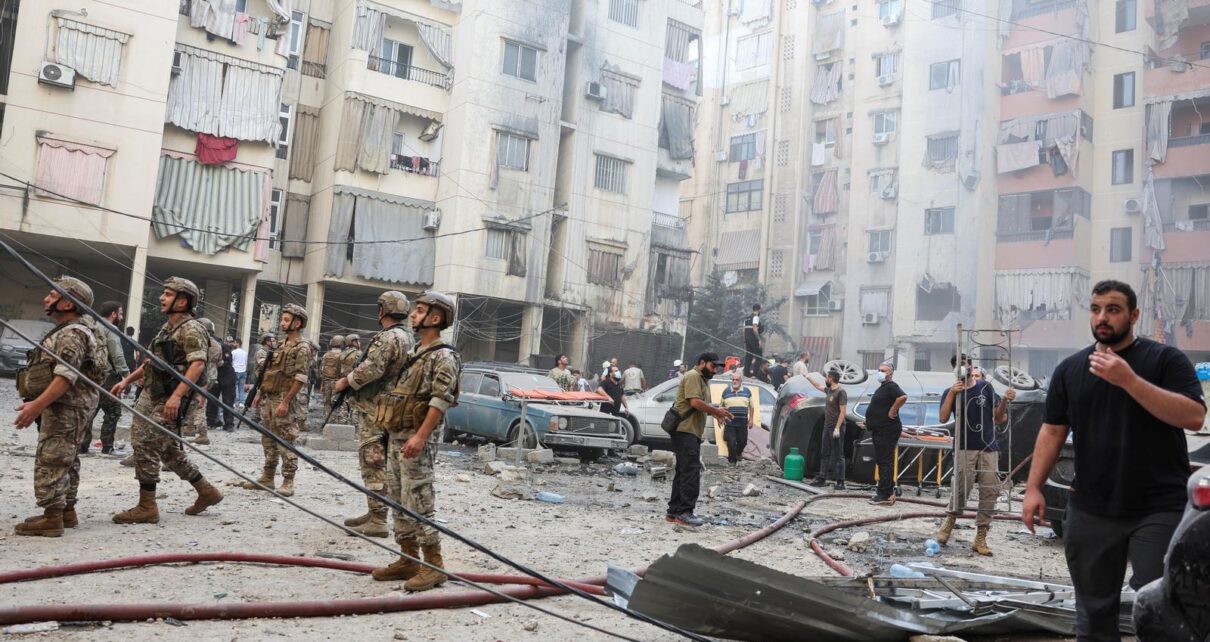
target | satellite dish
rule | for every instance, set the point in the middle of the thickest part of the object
(730, 278)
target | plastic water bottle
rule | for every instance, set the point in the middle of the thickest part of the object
(932, 548)
(550, 498)
(793, 465)
(899, 570)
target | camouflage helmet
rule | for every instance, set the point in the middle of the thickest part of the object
(267, 337)
(350, 339)
(393, 303)
(441, 301)
(297, 312)
(76, 288)
(337, 341)
(184, 286)
(208, 324)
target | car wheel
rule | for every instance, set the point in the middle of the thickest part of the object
(631, 426)
(448, 435)
(850, 373)
(1012, 377)
(528, 440)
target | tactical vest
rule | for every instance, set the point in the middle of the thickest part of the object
(276, 380)
(159, 383)
(331, 365)
(34, 379)
(379, 385)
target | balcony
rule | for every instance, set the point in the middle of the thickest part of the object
(418, 165)
(409, 72)
(1187, 156)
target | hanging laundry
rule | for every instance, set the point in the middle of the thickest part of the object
(240, 33)
(212, 150)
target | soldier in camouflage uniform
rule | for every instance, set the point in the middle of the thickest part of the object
(197, 409)
(329, 369)
(412, 414)
(65, 403)
(349, 359)
(369, 379)
(279, 398)
(182, 343)
(112, 311)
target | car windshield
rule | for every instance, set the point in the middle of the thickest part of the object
(32, 329)
(527, 381)
(912, 413)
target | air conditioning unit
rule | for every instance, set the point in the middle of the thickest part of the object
(870, 318)
(823, 56)
(176, 62)
(430, 132)
(891, 19)
(1133, 206)
(885, 80)
(971, 180)
(876, 257)
(723, 101)
(836, 305)
(720, 156)
(595, 91)
(882, 138)
(52, 73)
(432, 220)
(889, 192)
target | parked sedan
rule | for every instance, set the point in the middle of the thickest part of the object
(490, 407)
(14, 349)
(647, 408)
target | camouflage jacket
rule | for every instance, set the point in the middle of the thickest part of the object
(348, 359)
(291, 362)
(75, 343)
(432, 381)
(383, 361)
(329, 364)
(563, 378)
(179, 344)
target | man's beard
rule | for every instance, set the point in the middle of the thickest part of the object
(1114, 338)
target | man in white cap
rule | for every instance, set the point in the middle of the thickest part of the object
(677, 370)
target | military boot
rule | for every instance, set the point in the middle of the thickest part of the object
(428, 578)
(359, 520)
(48, 524)
(207, 496)
(404, 568)
(375, 526)
(145, 512)
(129, 461)
(202, 440)
(287, 486)
(264, 483)
(69, 517)
(980, 545)
(947, 529)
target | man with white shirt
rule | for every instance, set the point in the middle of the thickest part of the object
(633, 380)
(801, 367)
(239, 362)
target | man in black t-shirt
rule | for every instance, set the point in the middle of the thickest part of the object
(882, 420)
(754, 347)
(1127, 398)
(611, 386)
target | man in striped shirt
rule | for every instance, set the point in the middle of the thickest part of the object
(737, 399)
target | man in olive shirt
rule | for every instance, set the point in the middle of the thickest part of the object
(692, 404)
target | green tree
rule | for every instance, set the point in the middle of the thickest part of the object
(716, 318)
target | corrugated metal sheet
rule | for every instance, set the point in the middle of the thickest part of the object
(94, 52)
(739, 250)
(226, 203)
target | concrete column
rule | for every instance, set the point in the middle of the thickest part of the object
(218, 304)
(531, 333)
(247, 309)
(134, 302)
(315, 308)
(577, 351)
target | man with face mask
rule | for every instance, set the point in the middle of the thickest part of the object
(692, 404)
(611, 386)
(1128, 399)
(882, 419)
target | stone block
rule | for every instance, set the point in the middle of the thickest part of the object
(340, 432)
(751, 490)
(514, 474)
(567, 461)
(494, 467)
(486, 453)
(348, 445)
(319, 443)
(665, 457)
(512, 454)
(637, 450)
(544, 456)
(709, 451)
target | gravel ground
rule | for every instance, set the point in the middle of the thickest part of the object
(606, 519)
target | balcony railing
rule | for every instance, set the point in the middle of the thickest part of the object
(1187, 141)
(408, 72)
(314, 69)
(668, 220)
(415, 165)
(1053, 234)
(1196, 225)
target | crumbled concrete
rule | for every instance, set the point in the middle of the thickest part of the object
(544, 456)
(859, 542)
(751, 490)
(663, 457)
(494, 467)
(486, 453)
(340, 432)
(637, 450)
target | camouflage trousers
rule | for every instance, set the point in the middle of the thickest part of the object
(371, 456)
(153, 448)
(411, 482)
(329, 391)
(286, 427)
(57, 462)
(197, 416)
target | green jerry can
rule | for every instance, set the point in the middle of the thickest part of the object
(793, 465)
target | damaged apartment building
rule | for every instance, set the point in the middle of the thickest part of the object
(916, 166)
(525, 157)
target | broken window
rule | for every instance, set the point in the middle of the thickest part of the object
(938, 220)
(942, 152)
(610, 174)
(745, 196)
(275, 217)
(507, 244)
(815, 305)
(1121, 243)
(604, 267)
(825, 131)
(619, 90)
(882, 181)
(743, 147)
(937, 301)
(943, 75)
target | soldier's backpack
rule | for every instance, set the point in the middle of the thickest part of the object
(97, 367)
(331, 365)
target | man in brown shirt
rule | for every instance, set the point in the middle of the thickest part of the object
(692, 404)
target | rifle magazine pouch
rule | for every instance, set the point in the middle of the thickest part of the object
(389, 412)
(35, 379)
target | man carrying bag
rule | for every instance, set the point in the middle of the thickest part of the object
(685, 423)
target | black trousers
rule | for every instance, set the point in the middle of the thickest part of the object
(1097, 549)
(687, 481)
(885, 439)
(225, 391)
(831, 454)
(737, 440)
(752, 357)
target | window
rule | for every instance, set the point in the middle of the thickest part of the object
(881, 180)
(396, 59)
(610, 174)
(817, 305)
(1124, 14)
(619, 93)
(1123, 90)
(884, 122)
(604, 267)
(284, 115)
(1199, 212)
(753, 51)
(745, 196)
(315, 54)
(933, 304)
(1123, 166)
(497, 243)
(69, 170)
(520, 61)
(743, 147)
(625, 12)
(943, 75)
(490, 386)
(943, 8)
(942, 150)
(938, 220)
(875, 301)
(275, 201)
(512, 151)
(1206, 51)
(884, 65)
(508, 245)
(922, 361)
(1203, 128)
(296, 38)
(890, 9)
(397, 144)
(1120, 244)
(825, 131)
(880, 241)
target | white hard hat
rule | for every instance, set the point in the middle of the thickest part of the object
(676, 364)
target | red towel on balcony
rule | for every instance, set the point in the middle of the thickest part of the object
(212, 150)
